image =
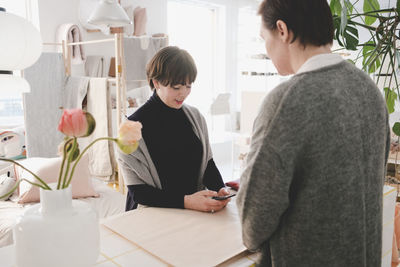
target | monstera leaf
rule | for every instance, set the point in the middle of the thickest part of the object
(398, 6)
(390, 97)
(370, 5)
(396, 128)
(347, 37)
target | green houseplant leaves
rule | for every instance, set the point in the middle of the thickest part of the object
(380, 54)
(369, 6)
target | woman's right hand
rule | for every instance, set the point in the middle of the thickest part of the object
(202, 201)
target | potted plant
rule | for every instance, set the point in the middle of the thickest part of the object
(50, 233)
(379, 53)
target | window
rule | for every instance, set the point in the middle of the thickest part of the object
(11, 112)
(198, 28)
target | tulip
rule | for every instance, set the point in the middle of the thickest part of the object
(129, 135)
(76, 123)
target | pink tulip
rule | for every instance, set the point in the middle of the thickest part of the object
(128, 136)
(76, 123)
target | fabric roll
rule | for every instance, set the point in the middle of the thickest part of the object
(69, 32)
(42, 105)
(97, 104)
(139, 21)
(138, 52)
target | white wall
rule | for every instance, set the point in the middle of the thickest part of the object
(52, 13)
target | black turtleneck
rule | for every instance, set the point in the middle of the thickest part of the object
(176, 152)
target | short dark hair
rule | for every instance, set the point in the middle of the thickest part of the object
(310, 20)
(171, 66)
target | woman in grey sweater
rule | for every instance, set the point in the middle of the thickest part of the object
(311, 194)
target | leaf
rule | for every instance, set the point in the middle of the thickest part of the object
(336, 7)
(349, 6)
(396, 128)
(343, 19)
(349, 37)
(370, 5)
(390, 96)
(371, 62)
(398, 6)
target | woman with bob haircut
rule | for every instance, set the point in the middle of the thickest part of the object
(311, 193)
(173, 165)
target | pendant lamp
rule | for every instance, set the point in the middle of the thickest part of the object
(109, 13)
(19, 49)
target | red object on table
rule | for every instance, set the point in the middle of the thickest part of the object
(233, 184)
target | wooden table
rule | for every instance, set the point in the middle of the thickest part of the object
(117, 251)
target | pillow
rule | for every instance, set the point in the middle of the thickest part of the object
(48, 170)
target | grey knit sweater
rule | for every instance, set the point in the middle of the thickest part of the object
(311, 194)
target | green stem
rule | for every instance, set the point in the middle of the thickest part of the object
(380, 70)
(364, 26)
(360, 55)
(44, 185)
(386, 10)
(83, 152)
(338, 49)
(394, 71)
(70, 157)
(17, 184)
(63, 162)
(376, 54)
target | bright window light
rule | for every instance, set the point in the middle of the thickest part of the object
(195, 27)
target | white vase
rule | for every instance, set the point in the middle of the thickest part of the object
(57, 232)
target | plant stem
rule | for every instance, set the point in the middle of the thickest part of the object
(394, 71)
(70, 157)
(364, 26)
(380, 69)
(63, 162)
(17, 184)
(83, 152)
(44, 185)
(386, 10)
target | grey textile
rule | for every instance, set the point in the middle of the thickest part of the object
(138, 167)
(42, 105)
(311, 194)
(94, 66)
(75, 91)
(138, 52)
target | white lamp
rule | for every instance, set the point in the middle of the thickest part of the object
(110, 13)
(20, 47)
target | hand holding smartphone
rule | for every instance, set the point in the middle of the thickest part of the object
(223, 197)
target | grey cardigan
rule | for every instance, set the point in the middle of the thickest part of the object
(138, 167)
(311, 194)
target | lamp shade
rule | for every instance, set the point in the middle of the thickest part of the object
(21, 43)
(13, 85)
(109, 13)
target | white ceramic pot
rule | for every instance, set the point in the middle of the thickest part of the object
(57, 232)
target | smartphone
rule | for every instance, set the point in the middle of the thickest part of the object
(223, 197)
